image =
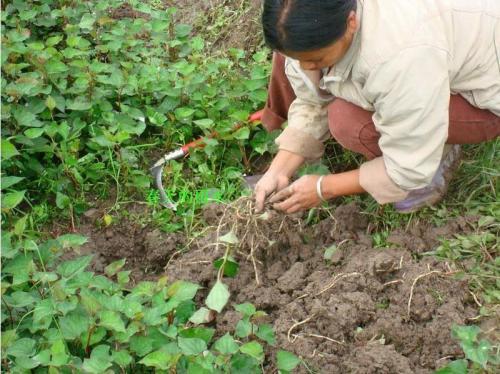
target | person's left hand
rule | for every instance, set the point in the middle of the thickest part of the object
(300, 195)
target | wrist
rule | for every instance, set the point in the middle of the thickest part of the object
(285, 163)
(328, 187)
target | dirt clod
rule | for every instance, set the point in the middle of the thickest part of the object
(371, 310)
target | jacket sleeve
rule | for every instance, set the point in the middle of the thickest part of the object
(410, 94)
(307, 117)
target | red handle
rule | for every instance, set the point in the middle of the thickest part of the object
(199, 143)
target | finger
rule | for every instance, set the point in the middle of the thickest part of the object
(260, 197)
(285, 205)
(280, 195)
(294, 209)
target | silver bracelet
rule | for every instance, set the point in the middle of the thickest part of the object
(318, 188)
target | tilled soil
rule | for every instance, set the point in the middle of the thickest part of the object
(365, 310)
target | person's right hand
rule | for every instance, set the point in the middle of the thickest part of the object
(269, 183)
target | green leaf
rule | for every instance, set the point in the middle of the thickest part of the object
(156, 118)
(226, 345)
(466, 334)
(200, 316)
(254, 84)
(204, 123)
(231, 267)
(159, 360)
(8, 338)
(141, 345)
(8, 250)
(246, 309)
(22, 347)
(26, 15)
(34, 132)
(145, 289)
(254, 350)
(73, 325)
(243, 328)
(45, 277)
(50, 103)
(114, 267)
(80, 104)
(202, 333)
(454, 367)
(10, 181)
(8, 151)
(240, 115)
(329, 252)
(53, 40)
(229, 238)
(19, 231)
(266, 333)
(26, 363)
(182, 290)
(184, 112)
(154, 316)
(287, 361)
(77, 42)
(69, 269)
(12, 199)
(111, 320)
(72, 240)
(244, 364)
(87, 21)
(122, 358)
(242, 134)
(182, 30)
(123, 277)
(20, 299)
(26, 119)
(99, 361)
(42, 315)
(191, 346)
(478, 353)
(218, 297)
(58, 353)
(54, 66)
(62, 201)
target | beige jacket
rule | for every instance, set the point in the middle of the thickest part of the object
(406, 59)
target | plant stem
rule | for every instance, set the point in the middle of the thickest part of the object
(10, 312)
(87, 346)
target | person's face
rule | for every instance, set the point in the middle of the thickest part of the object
(329, 55)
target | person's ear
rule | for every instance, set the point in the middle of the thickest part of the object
(352, 23)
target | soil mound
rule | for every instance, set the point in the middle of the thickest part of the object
(364, 310)
(359, 310)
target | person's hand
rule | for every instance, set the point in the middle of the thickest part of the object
(300, 195)
(269, 183)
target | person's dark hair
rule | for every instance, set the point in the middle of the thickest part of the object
(304, 25)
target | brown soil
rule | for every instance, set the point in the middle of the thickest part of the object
(225, 23)
(351, 314)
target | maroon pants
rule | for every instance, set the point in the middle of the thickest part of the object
(353, 127)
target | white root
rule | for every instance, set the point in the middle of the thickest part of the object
(413, 287)
(295, 325)
(324, 337)
(335, 280)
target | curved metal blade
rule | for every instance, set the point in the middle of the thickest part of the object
(165, 201)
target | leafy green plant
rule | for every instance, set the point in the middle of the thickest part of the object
(86, 91)
(57, 315)
(478, 352)
(478, 250)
